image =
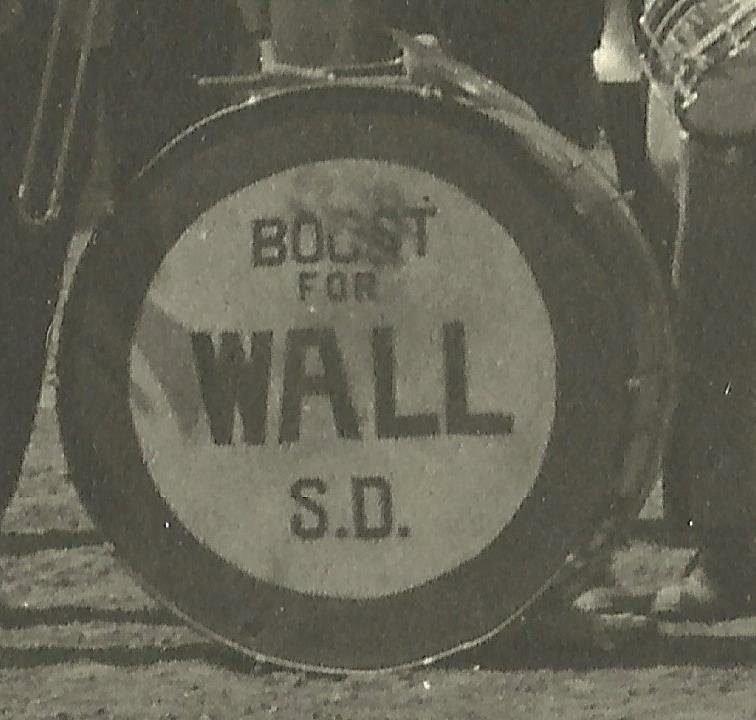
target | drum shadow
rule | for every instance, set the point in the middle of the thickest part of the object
(531, 650)
(715, 653)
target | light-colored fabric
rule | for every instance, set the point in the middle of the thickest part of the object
(665, 135)
(617, 58)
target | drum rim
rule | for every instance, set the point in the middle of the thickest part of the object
(80, 457)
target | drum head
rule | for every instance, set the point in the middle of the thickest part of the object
(345, 378)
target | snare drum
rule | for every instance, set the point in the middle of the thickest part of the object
(705, 52)
(355, 373)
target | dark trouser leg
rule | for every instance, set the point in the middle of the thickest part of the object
(711, 457)
(715, 440)
(624, 115)
(624, 118)
(31, 261)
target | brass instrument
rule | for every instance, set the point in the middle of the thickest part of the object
(32, 186)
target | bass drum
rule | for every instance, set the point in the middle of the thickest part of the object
(354, 374)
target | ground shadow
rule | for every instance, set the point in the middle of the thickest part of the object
(14, 618)
(130, 657)
(515, 651)
(541, 643)
(18, 544)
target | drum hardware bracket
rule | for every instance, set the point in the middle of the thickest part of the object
(427, 64)
(276, 72)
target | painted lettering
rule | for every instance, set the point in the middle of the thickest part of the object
(307, 239)
(365, 526)
(268, 242)
(332, 383)
(387, 423)
(459, 419)
(377, 238)
(229, 380)
(299, 493)
(314, 366)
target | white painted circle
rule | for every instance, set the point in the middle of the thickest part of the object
(451, 492)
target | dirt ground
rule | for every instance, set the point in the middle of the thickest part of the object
(79, 639)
